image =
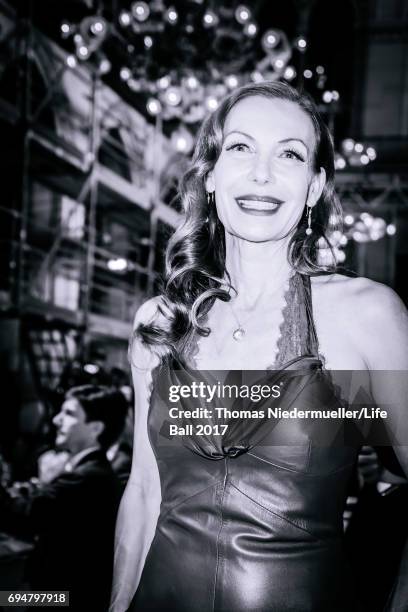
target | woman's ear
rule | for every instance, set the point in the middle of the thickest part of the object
(209, 182)
(316, 187)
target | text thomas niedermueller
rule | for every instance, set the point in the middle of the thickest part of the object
(279, 413)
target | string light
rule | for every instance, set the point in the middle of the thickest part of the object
(301, 43)
(117, 265)
(358, 147)
(133, 84)
(242, 14)
(231, 81)
(391, 229)
(173, 96)
(83, 52)
(125, 73)
(348, 144)
(270, 40)
(66, 29)
(307, 73)
(71, 61)
(289, 73)
(192, 82)
(210, 19)
(327, 97)
(140, 11)
(104, 65)
(148, 42)
(250, 30)
(364, 160)
(320, 70)
(171, 15)
(164, 82)
(211, 103)
(349, 219)
(257, 77)
(98, 27)
(124, 19)
(340, 163)
(153, 106)
(371, 153)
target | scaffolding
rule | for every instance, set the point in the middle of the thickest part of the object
(83, 240)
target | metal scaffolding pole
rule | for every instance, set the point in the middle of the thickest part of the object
(92, 209)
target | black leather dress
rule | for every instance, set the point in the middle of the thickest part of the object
(252, 520)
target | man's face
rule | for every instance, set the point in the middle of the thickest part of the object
(73, 432)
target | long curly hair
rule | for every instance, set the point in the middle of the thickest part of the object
(195, 274)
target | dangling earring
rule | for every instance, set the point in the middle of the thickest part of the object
(210, 198)
(210, 202)
(309, 230)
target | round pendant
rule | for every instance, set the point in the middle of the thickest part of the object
(238, 334)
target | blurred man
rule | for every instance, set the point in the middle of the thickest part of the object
(73, 516)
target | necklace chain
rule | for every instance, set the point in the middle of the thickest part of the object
(239, 332)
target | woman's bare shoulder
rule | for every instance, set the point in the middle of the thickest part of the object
(371, 313)
(358, 291)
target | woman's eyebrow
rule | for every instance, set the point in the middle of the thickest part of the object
(280, 141)
(296, 139)
(238, 132)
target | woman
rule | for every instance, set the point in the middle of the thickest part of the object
(246, 521)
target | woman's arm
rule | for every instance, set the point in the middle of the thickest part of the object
(139, 508)
(386, 351)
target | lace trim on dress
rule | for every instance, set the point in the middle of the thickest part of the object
(297, 332)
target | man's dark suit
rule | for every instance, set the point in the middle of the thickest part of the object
(74, 519)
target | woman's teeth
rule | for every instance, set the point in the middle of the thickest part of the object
(258, 205)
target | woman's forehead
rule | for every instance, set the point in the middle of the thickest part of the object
(263, 116)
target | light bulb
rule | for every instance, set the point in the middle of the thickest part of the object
(71, 61)
(173, 96)
(289, 73)
(211, 103)
(301, 43)
(231, 81)
(124, 19)
(140, 11)
(242, 14)
(250, 29)
(210, 19)
(270, 39)
(125, 73)
(171, 15)
(153, 107)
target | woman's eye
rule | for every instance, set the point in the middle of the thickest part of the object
(291, 154)
(238, 146)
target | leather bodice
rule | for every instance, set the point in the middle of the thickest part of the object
(251, 520)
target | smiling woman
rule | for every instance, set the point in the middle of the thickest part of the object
(250, 518)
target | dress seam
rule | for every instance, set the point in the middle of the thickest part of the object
(282, 467)
(219, 534)
(186, 499)
(283, 518)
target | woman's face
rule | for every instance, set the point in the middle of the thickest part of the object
(263, 177)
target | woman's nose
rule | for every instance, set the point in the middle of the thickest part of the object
(57, 419)
(262, 171)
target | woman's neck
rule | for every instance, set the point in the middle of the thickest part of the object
(257, 269)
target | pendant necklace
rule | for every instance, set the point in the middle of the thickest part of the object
(239, 332)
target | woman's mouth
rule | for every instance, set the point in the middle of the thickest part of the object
(258, 205)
